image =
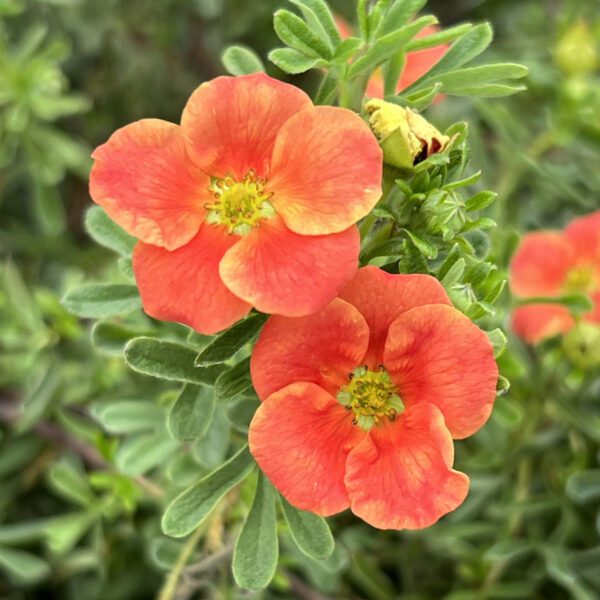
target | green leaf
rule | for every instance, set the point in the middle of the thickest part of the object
(479, 76)
(425, 248)
(466, 48)
(139, 454)
(106, 233)
(257, 550)
(437, 39)
(168, 360)
(498, 339)
(293, 62)
(191, 415)
(488, 90)
(211, 449)
(239, 60)
(576, 303)
(191, 507)
(508, 550)
(37, 401)
(233, 381)
(240, 412)
(110, 338)
(480, 201)
(65, 531)
(296, 34)
(128, 416)
(23, 567)
(584, 486)
(387, 46)
(24, 532)
(229, 343)
(399, 14)
(454, 273)
(318, 15)
(98, 301)
(68, 479)
(347, 49)
(310, 532)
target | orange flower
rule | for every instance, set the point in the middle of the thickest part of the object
(416, 65)
(360, 401)
(251, 201)
(553, 263)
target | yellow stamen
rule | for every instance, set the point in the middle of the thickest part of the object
(239, 205)
(581, 280)
(371, 396)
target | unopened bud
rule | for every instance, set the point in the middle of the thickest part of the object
(405, 137)
(576, 52)
(582, 345)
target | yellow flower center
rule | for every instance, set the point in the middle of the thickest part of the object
(239, 205)
(371, 396)
(580, 279)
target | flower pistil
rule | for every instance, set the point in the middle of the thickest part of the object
(239, 205)
(371, 396)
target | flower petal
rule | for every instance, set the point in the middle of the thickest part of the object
(281, 272)
(594, 315)
(382, 297)
(184, 285)
(435, 354)
(230, 123)
(536, 322)
(419, 62)
(322, 348)
(144, 180)
(584, 235)
(400, 475)
(540, 265)
(325, 171)
(300, 437)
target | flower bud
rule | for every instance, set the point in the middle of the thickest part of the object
(576, 52)
(582, 345)
(405, 137)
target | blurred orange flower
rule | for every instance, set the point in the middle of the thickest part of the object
(554, 263)
(416, 65)
(251, 201)
(361, 401)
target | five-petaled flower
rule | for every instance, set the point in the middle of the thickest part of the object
(361, 401)
(251, 201)
(549, 264)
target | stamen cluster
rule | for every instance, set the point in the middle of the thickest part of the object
(372, 396)
(240, 206)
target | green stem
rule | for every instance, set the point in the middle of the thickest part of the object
(170, 588)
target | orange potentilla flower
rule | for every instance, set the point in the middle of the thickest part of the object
(551, 264)
(416, 65)
(360, 401)
(251, 201)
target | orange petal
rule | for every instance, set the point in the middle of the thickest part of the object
(418, 63)
(322, 348)
(281, 272)
(594, 315)
(536, 322)
(381, 297)
(540, 265)
(184, 285)
(230, 123)
(144, 180)
(300, 437)
(400, 475)
(584, 235)
(435, 354)
(326, 171)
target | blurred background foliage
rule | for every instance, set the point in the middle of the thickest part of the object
(84, 456)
